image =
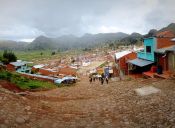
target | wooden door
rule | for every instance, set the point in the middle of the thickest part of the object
(171, 62)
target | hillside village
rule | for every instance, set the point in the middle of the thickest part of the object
(132, 86)
(154, 59)
(87, 64)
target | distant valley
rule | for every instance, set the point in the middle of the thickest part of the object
(86, 41)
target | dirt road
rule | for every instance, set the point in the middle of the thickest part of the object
(91, 106)
(93, 65)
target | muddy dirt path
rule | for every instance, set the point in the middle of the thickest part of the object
(93, 105)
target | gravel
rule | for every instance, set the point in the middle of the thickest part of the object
(92, 105)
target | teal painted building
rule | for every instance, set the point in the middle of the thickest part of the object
(19, 67)
(24, 68)
(149, 48)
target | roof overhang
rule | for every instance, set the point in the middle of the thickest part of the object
(167, 49)
(140, 62)
(16, 64)
(173, 39)
(119, 55)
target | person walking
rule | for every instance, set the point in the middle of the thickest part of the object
(107, 79)
(102, 80)
(94, 78)
(99, 77)
(90, 79)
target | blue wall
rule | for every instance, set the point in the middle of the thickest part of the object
(143, 54)
(24, 68)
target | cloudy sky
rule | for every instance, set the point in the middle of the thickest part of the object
(27, 19)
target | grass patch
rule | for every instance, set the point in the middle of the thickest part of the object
(65, 85)
(102, 65)
(36, 55)
(25, 83)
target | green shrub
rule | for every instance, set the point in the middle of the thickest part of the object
(8, 56)
(2, 75)
(25, 83)
(8, 76)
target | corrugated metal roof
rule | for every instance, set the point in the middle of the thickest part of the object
(39, 66)
(163, 50)
(39, 76)
(49, 69)
(118, 55)
(138, 49)
(18, 63)
(173, 39)
(140, 62)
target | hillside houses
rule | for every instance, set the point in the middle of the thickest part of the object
(121, 59)
(158, 51)
(45, 72)
(166, 58)
(154, 59)
(54, 71)
(19, 66)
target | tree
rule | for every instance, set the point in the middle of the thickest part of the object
(53, 53)
(111, 45)
(1, 58)
(72, 60)
(133, 41)
(8, 56)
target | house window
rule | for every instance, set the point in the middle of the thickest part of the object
(148, 49)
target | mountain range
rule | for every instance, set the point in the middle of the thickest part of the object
(71, 41)
(86, 41)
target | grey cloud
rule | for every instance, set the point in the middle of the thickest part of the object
(22, 19)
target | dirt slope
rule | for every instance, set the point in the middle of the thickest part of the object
(91, 106)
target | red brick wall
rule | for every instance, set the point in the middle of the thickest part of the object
(67, 71)
(34, 69)
(165, 34)
(10, 67)
(163, 61)
(115, 70)
(123, 61)
(47, 72)
(164, 42)
(37, 78)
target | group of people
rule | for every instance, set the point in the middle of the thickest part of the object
(100, 78)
